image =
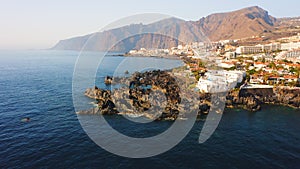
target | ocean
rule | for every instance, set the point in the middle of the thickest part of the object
(38, 84)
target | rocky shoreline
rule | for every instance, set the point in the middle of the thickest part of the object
(252, 99)
(144, 88)
(139, 97)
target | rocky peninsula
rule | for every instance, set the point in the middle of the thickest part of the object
(139, 97)
(146, 90)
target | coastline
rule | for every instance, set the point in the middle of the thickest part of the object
(282, 96)
(250, 99)
(174, 57)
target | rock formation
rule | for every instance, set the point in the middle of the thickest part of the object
(141, 96)
(155, 95)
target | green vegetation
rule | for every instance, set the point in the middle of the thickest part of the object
(196, 75)
(295, 71)
(286, 61)
(292, 84)
(251, 72)
(272, 65)
(232, 68)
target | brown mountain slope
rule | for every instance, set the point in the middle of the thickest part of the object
(171, 32)
(243, 23)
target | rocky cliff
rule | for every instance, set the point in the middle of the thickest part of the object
(243, 23)
(252, 99)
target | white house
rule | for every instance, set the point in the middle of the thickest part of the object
(216, 81)
(226, 65)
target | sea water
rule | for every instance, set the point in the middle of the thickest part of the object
(38, 85)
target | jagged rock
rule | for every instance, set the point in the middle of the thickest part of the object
(159, 84)
(159, 91)
(103, 97)
(251, 99)
(108, 80)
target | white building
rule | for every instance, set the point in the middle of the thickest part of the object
(258, 48)
(226, 65)
(216, 81)
(133, 52)
(272, 47)
(290, 46)
(249, 49)
(240, 75)
(291, 55)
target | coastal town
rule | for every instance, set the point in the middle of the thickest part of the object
(262, 65)
(250, 75)
(251, 60)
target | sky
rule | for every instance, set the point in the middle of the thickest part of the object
(40, 24)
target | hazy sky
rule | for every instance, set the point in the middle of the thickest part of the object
(36, 24)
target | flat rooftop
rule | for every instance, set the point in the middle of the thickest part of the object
(256, 86)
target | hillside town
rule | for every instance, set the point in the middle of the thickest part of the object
(275, 63)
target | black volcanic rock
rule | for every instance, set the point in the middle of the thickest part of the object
(137, 97)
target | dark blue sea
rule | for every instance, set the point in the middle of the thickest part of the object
(38, 84)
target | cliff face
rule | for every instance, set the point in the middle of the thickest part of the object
(71, 44)
(244, 100)
(163, 34)
(251, 99)
(290, 97)
(238, 24)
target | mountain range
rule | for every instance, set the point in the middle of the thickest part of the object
(243, 23)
